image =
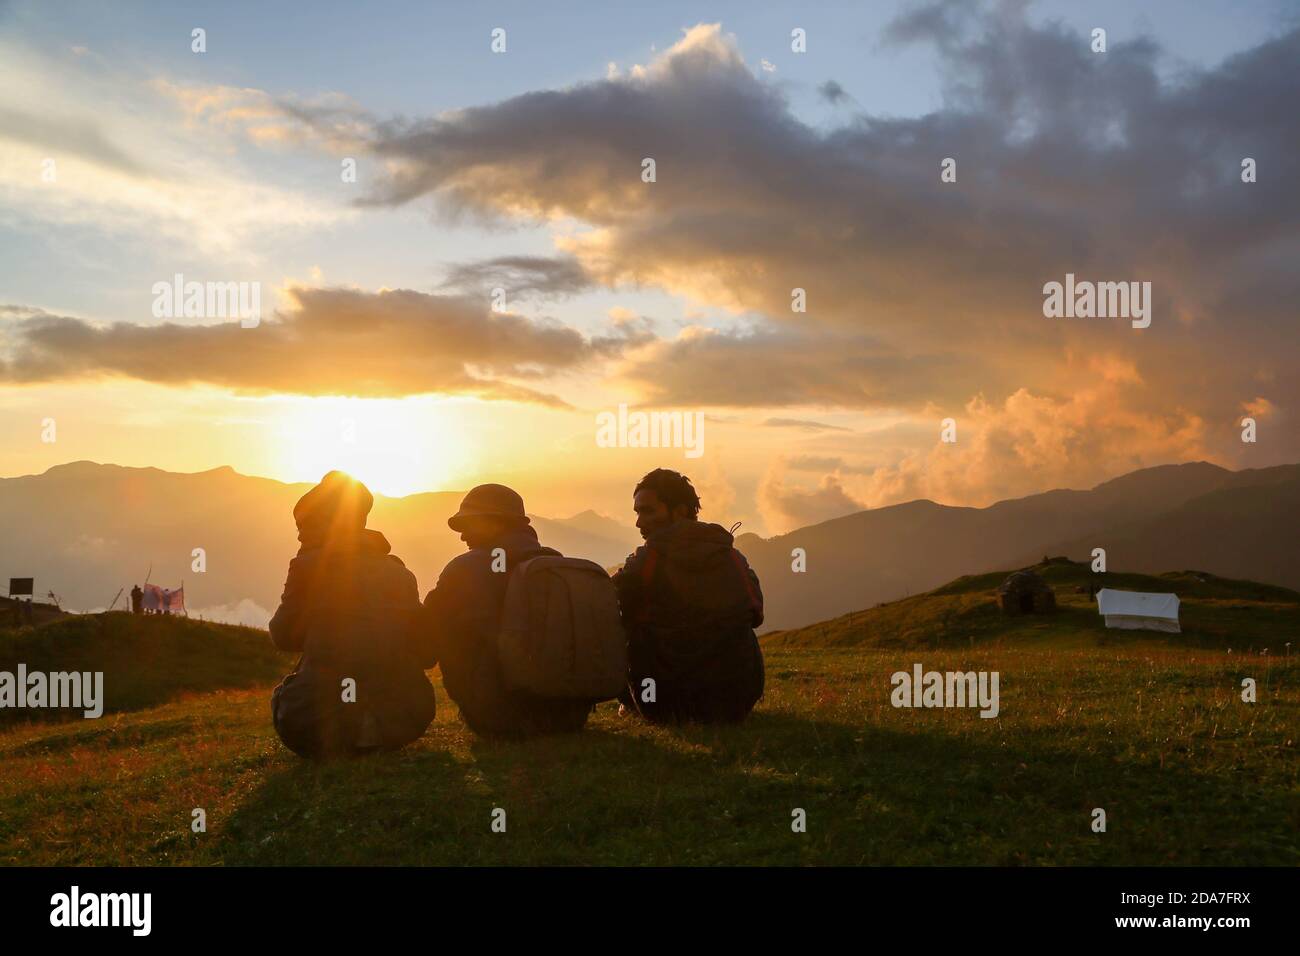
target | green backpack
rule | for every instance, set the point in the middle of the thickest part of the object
(561, 634)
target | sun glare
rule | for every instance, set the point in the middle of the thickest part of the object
(396, 447)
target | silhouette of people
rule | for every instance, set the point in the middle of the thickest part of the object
(137, 599)
(462, 619)
(350, 608)
(29, 612)
(690, 603)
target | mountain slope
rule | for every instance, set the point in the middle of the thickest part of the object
(1214, 612)
(887, 553)
(146, 660)
(1245, 530)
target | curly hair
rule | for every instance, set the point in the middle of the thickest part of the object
(672, 488)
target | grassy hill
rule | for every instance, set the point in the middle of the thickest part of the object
(1215, 613)
(1149, 729)
(1196, 514)
(11, 612)
(146, 660)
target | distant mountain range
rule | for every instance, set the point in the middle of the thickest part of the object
(84, 530)
(1169, 518)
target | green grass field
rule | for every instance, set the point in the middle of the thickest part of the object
(1150, 728)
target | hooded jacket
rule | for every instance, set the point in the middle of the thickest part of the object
(350, 608)
(461, 624)
(690, 603)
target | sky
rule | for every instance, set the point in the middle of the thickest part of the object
(128, 157)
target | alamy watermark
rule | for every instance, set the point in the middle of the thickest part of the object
(1102, 300)
(76, 908)
(626, 429)
(208, 300)
(923, 688)
(36, 689)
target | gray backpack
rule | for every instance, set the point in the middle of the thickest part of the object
(561, 634)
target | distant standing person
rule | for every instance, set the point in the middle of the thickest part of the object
(29, 612)
(690, 604)
(137, 599)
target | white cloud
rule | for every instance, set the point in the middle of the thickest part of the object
(127, 161)
(246, 612)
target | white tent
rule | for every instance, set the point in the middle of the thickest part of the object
(1138, 610)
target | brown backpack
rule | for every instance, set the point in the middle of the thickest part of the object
(561, 634)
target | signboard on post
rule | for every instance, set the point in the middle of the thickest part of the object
(21, 586)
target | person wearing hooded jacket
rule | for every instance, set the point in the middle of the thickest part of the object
(462, 621)
(690, 603)
(350, 608)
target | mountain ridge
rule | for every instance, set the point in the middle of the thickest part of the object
(87, 528)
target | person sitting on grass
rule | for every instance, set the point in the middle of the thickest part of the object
(463, 618)
(349, 607)
(690, 604)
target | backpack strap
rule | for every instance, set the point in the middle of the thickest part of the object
(648, 568)
(647, 578)
(754, 602)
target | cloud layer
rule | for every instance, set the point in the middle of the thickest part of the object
(327, 342)
(919, 292)
(921, 299)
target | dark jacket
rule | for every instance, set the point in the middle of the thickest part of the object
(690, 603)
(462, 619)
(350, 607)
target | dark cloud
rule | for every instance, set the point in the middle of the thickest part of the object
(331, 341)
(520, 276)
(943, 23)
(786, 367)
(804, 424)
(833, 93)
(1067, 161)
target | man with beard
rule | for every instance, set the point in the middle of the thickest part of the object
(690, 603)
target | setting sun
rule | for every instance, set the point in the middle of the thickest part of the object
(396, 447)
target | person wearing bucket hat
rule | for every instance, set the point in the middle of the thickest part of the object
(462, 618)
(491, 502)
(349, 608)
